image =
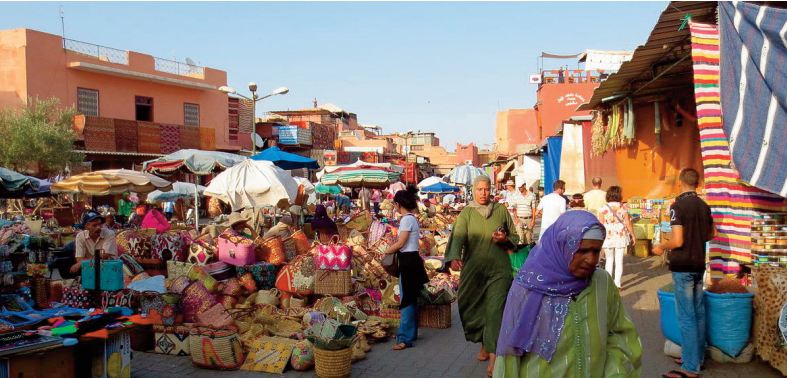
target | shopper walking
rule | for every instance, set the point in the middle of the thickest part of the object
(563, 317)
(525, 207)
(550, 207)
(595, 198)
(480, 238)
(125, 207)
(692, 227)
(412, 275)
(615, 218)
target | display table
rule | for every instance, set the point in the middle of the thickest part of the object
(52, 361)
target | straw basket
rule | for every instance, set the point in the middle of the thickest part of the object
(333, 363)
(271, 250)
(434, 316)
(333, 282)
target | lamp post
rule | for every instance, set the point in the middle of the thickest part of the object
(254, 98)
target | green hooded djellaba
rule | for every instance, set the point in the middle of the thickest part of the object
(486, 275)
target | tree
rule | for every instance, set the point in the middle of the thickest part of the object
(39, 134)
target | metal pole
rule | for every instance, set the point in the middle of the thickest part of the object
(196, 203)
(254, 123)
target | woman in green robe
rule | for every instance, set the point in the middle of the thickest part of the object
(478, 247)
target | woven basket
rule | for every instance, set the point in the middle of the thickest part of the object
(434, 316)
(271, 250)
(216, 349)
(41, 292)
(333, 282)
(333, 363)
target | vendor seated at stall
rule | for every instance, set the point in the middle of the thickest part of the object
(282, 229)
(93, 237)
(240, 226)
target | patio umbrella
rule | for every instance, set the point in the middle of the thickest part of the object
(429, 181)
(253, 184)
(363, 176)
(286, 160)
(358, 164)
(196, 162)
(464, 174)
(179, 190)
(327, 189)
(440, 188)
(111, 181)
(308, 187)
(13, 181)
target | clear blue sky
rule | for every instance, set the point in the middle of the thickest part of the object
(442, 67)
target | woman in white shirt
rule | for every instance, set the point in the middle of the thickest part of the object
(615, 218)
(412, 275)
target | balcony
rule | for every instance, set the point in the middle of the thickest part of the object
(102, 53)
(570, 77)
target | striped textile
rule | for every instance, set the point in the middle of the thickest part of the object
(189, 137)
(754, 91)
(370, 178)
(733, 202)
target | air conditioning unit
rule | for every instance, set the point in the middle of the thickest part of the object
(535, 79)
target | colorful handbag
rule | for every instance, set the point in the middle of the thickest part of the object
(196, 299)
(333, 256)
(139, 245)
(376, 231)
(111, 275)
(264, 274)
(290, 249)
(172, 340)
(297, 277)
(302, 245)
(179, 284)
(177, 269)
(75, 296)
(168, 246)
(215, 317)
(130, 266)
(151, 301)
(271, 250)
(201, 253)
(216, 349)
(220, 270)
(120, 298)
(236, 249)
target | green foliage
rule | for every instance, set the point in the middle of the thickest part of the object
(40, 133)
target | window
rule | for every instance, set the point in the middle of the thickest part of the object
(191, 114)
(417, 147)
(87, 101)
(144, 108)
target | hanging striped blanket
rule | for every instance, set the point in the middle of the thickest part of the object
(754, 91)
(733, 203)
(170, 138)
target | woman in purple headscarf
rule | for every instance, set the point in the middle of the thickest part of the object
(323, 225)
(563, 317)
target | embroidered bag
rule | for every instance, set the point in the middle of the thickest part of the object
(333, 256)
(172, 340)
(168, 246)
(297, 277)
(177, 269)
(236, 249)
(264, 274)
(201, 253)
(216, 349)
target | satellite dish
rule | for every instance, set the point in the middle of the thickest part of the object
(190, 62)
(258, 141)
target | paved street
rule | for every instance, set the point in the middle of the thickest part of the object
(444, 353)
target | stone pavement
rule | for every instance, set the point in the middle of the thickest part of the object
(444, 353)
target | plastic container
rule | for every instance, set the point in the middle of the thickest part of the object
(668, 315)
(729, 320)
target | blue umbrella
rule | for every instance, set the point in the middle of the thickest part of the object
(286, 160)
(439, 188)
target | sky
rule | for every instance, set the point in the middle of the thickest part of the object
(441, 67)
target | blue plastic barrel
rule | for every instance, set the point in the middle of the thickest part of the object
(669, 316)
(728, 318)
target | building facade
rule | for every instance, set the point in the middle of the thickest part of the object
(131, 105)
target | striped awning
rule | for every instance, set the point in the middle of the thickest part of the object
(111, 181)
(367, 177)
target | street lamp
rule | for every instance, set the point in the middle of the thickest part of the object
(254, 98)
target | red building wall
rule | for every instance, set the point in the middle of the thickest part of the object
(558, 102)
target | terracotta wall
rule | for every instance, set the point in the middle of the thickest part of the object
(467, 152)
(648, 169)
(514, 128)
(13, 86)
(558, 102)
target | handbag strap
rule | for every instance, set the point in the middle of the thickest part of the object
(615, 214)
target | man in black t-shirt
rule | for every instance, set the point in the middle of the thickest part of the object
(692, 227)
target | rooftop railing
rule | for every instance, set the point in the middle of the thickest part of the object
(103, 53)
(178, 68)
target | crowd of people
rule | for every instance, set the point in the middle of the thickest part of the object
(558, 316)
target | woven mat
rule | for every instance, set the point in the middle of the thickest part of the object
(126, 138)
(149, 137)
(170, 138)
(207, 138)
(189, 137)
(99, 134)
